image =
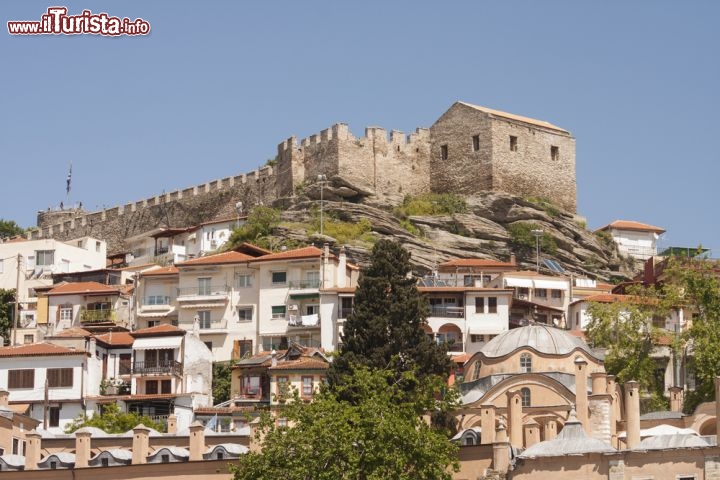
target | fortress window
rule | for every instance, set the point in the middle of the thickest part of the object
(443, 152)
(513, 143)
(476, 143)
(555, 153)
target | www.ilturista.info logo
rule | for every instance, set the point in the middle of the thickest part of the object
(57, 22)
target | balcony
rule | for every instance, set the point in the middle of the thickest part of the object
(97, 316)
(445, 311)
(304, 320)
(304, 284)
(217, 291)
(170, 367)
(157, 300)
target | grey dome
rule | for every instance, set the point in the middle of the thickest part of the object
(542, 338)
(572, 440)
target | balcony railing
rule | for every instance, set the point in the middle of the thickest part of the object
(170, 367)
(446, 311)
(304, 320)
(303, 284)
(206, 290)
(93, 316)
(157, 300)
(345, 312)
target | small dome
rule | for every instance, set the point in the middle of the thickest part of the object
(543, 338)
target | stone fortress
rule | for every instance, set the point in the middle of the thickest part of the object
(468, 150)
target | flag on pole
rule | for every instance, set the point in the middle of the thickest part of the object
(69, 179)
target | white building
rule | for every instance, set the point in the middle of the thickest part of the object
(83, 304)
(210, 236)
(634, 239)
(37, 260)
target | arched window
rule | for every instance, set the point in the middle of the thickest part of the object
(525, 394)
(525, 363)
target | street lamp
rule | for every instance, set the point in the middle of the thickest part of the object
(537, 233)
(321, 180)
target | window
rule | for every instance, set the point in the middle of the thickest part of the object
(479, 305)
(21, 378)
(476, 143)
(28, 339)
(476, 338)
(492, 304)
(44, 258)
(54, 416)
(525, 395)
(105, 462)
(577, 319)
(541, 292)
(346, 307)
(151, 387)
(243, 280)
(153, 323)
(279, 278)
(60, 377)
(242, 348)
(219, 456)
(251, 385)
(283, 387)
(307, 386)
(556, 293)
(245, 314)
(165, 458)
(165, 386)
(97, 246)
(513, 143)
(278, 311)
(476, 370)
(203, 317)
(554, 153)
(204, 286)
(66, 313)
(444, 152)
(525, 363)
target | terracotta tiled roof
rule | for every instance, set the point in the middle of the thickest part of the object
(115, 338)
(340, 289)
(161, 330)
(135, 268)
(631, 225)
(512, 116)
(218, 259)
(38, 350)
(161, 271)
(461, 359)
(614, 297)
(476, 262)
(74, 288)
(302, 363)
(305, 252)
(464, 289)
(74, 332)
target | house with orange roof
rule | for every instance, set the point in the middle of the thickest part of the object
(89, 305)
(29, 266)
(156, 295)
(634, 239)
(473, 272)
(537, 298)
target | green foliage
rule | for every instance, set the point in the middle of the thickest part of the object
(7, 307)
(408, 225)
(431, 204)
(379, 436)
(260, 223)
(545, 205)
(113, 420)
(271, 162)
(8, 228)
(221, 379)
(385, 328)
(605, 238)
(521, 237)
(345, 232)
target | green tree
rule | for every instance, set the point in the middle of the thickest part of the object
(8, 228)
(221, 381)
(7, 307)
(379, 436)
(385, 328)
(260, 223)
(113, 420)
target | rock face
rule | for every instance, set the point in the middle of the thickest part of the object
(481, 232)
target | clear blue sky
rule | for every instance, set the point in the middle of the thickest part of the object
(217, 85)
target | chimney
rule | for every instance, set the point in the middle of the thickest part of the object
(82, 448)
(599, 383)
(515, 418)
(326, 275)
(92, 346)
(140, 444)
(632, 414)
(487, 424)
(581, 395)
(501, 450)
(550, 430)
(172, 424)
(676, 399)
(532, 433)
(513, 259)
(4, 394)
(273, 356)
(342, 268)
(197, 441)
(32, 450)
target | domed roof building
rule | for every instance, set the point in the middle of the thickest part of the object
(533, 377)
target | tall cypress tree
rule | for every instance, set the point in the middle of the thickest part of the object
(385, 328)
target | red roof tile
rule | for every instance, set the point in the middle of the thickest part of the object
(302, 363)
(218, 259)
(305, 252)
(38, 350)
(631, 225)
(75, 288)
(161, 271)
(74, 332)
(116, 338)
(161, 330)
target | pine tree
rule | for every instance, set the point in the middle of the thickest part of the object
(385, 329)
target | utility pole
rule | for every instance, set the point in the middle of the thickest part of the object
(537, 233)
(16, 313)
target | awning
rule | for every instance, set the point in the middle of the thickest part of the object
(157, 343)
(519, 282)
(301, 296)
(156, 314)
(195, 306)
(551, 284)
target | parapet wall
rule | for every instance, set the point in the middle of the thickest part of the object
(180, 208)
